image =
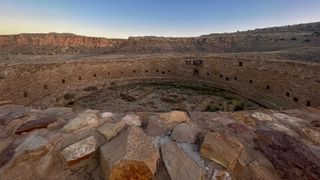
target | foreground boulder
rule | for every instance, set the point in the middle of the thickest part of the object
(179, 164)
(35, 124)
(185, 132)
(110, 130)
(85, 120)
(221, 149)
(79, 151)
(132, 120)
(173, 118)
(32, 147)
(156, 126)
(130, 155)
(11, 112)
(290, 157)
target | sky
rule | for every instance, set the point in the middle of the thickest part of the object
(176, 18)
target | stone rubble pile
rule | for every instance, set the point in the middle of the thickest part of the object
(58, 143)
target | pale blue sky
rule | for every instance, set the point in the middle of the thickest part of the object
(123, 18)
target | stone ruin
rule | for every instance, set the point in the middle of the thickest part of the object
(46, 132)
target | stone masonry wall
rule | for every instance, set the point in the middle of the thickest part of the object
(273, 84)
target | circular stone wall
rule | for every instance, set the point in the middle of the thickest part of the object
(271, 84)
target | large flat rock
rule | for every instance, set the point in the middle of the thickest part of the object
(79, 151)
(130, 155)
(85, 120)
(290, 157)
(110, 130)
(179, 164)
(222, 149)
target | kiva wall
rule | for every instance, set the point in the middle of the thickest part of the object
(274, 84)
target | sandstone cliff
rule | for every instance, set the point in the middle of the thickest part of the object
(268, 39)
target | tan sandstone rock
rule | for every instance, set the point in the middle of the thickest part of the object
(110, 130)
(132, 120)
(85, 120)
(221, 149)
(311, 135)
(262, 116)
(179, 164)
(32, 147)
(79, 151)
(171, 119)
(130, 155)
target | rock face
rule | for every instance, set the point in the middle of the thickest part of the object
(173, 118)
(79, 151)
(11, 112)
(156, 126)
(132, 120)
(110, 130)
(179, 164)
(221, 149)
(185, 132)
(131, 155)
(311, 134)
(35, 124)
(262, 116)
(33, 146)
(85, 120)
(290, 157)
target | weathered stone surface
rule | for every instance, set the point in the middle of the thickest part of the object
(221, 149)
(311, 135)
(221, 175)
(238, 128)
(107, 115)
(56, 112)
(35, 124)
(85, 120)
(79, 151)
(245, 118)
(132, 120)
(110, 130)
(290, 157)
(262, 116)
(178, 164)
(156, 127)
(262, 171)
(130, 155)
(11, 112)
(290, 120)
(173, 118)
(185, 132)
(32, 147)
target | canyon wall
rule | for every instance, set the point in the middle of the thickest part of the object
(268, 39)
(273, 84)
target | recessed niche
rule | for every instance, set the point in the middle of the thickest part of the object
(63, 81)
(25, 94)
(240, 63)
(308, 103)
(268, 87)
(287, 94)
(45, 86)
(295, 99)
(79, 78)
(250, 81)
